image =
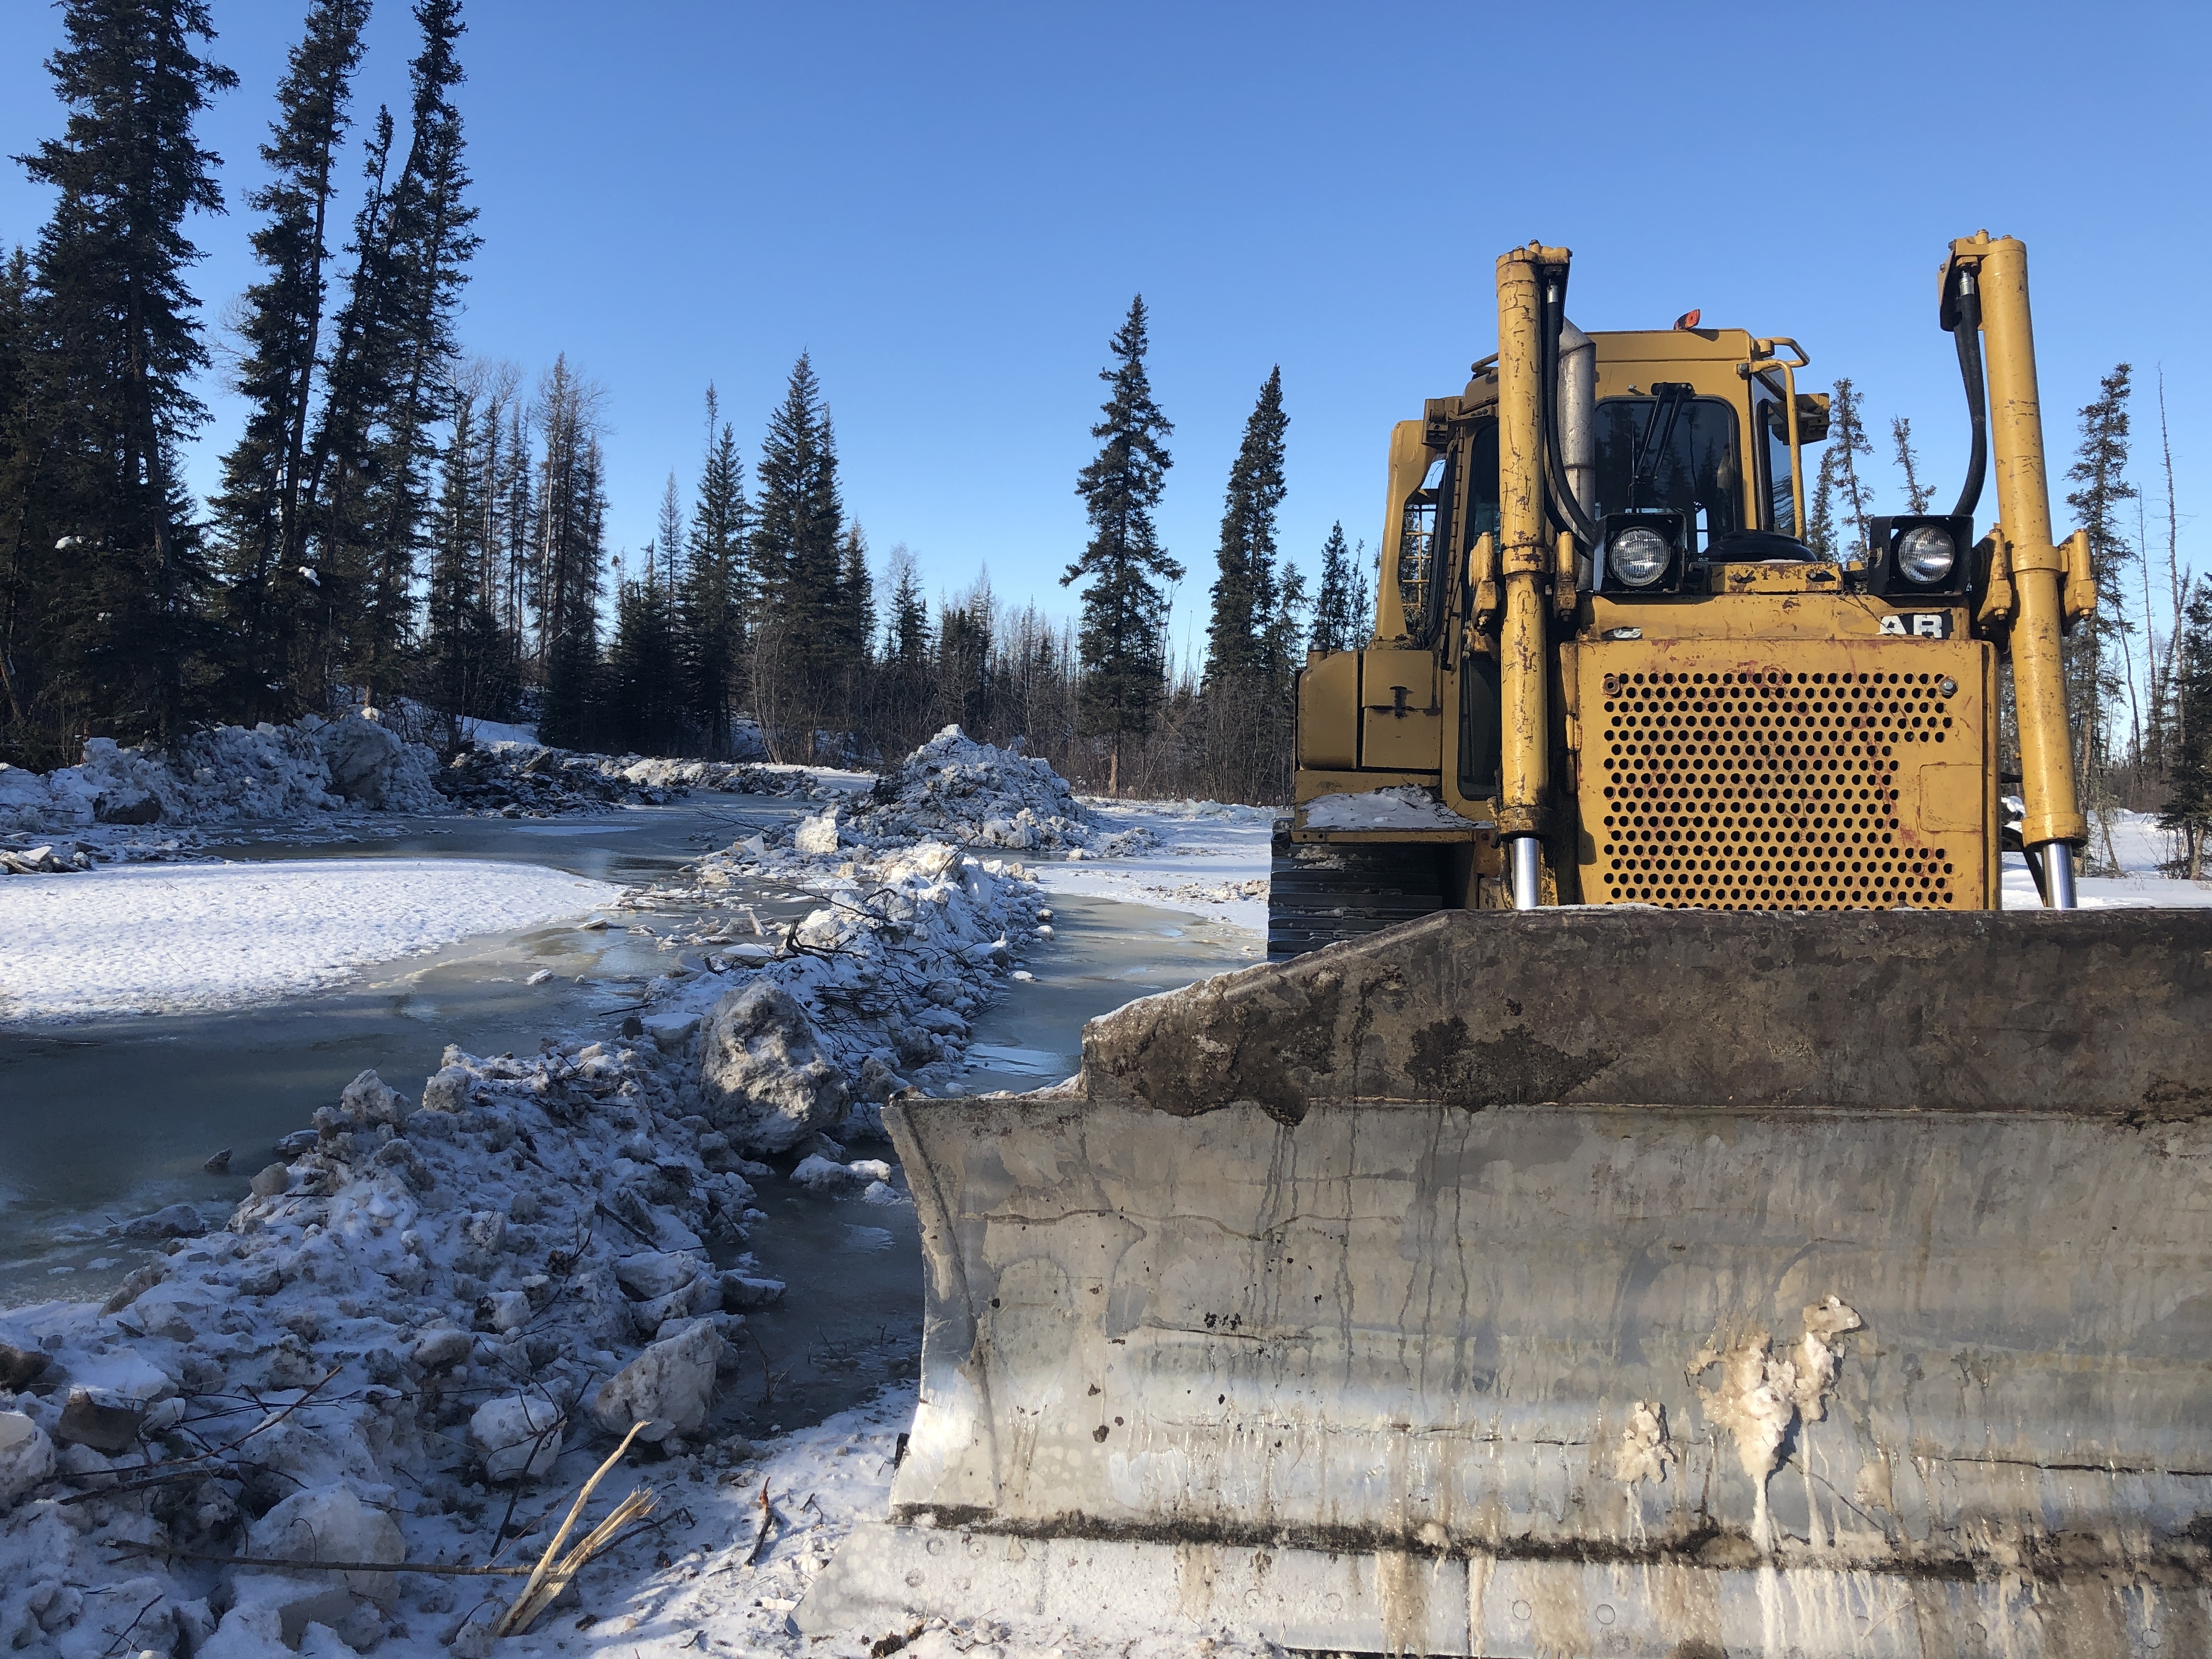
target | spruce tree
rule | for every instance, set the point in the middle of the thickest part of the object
(427, 230)
(2188, 811)
(1245, 596)
(711, 604)
(1332, 626)
(856, 603)
(1847, 441)
(797, 541)
(117, 344)
(1124, 611)
(17, 447)
(1917, 495)
(641, 682)
(343, 457)
(2094, 654)
(905, 631)
(1821, 515)
(465, 657)
(569, 557)
(518, 518)
(798, 516)
(1282, 641)
(257, 512)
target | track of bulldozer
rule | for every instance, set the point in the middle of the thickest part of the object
(1322, 893)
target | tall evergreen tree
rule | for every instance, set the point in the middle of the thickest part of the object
(797, 544)
(1332, 626)
(117, 342)
(342, 466)
(1282, 642)
(465, 657)
(667, 560)
(1244, 591)
(642, 688)
(711, 604)
(856, 602)
(1820, 514)
(799, 519)
(569, 556)
(2094, 654)
(430, 242)
(1917, 495)
(1124, 611)
(258, 511)
(906, 630)
(518, 518)
(18, 445)
(1847, 441)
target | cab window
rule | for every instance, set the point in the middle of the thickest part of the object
(1672, 449)
(1781, 505)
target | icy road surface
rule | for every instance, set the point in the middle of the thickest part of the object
(194, 937)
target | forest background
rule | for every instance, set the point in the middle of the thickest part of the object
(373, 509)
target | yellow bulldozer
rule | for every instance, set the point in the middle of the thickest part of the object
(1605, 669)
(1660, 1202)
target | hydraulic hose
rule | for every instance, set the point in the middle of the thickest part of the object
(1967, 335)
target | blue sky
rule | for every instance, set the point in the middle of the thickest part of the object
(949, 207)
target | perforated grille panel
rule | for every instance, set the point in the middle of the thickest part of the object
(1766, 788)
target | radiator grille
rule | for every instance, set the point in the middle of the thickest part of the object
(1773, 789)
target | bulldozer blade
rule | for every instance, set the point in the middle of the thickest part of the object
(1601, 1281)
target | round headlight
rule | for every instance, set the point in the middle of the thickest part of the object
(1925, 554)
(1638, 557)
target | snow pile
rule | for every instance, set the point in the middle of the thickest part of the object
(229, 774)
(1408, 806)
(145, 940)
(417, 1303)
(527, 779)
(911, 941)
(974, 794)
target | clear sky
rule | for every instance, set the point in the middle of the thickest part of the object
(950, 206)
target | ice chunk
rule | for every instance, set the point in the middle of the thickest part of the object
(519, 1437)
(26, 1456)
(331, 1523)
(764, 1081)
(816, 836)
(669, 1386)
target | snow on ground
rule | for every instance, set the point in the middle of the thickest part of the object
(2142, 850)
(1199, 856)
(423, 1304)
(490, 732)
(146, 940)
(1408, 806)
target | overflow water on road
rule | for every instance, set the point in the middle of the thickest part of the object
(103, 1120)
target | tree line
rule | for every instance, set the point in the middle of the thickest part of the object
(395, 525)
